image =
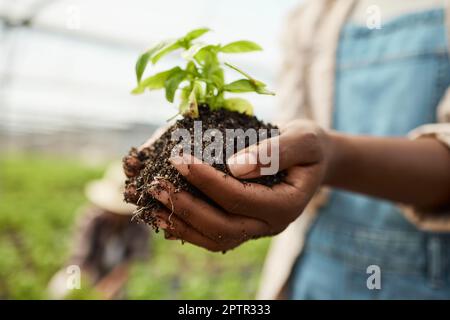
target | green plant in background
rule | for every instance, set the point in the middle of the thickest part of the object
(202, 80)
(39, 198)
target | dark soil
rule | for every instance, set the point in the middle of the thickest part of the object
(152, 163)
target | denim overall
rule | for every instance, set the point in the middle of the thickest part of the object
(388, 82)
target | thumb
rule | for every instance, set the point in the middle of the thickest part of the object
(244, 164)
(274, 155)
(257, 160)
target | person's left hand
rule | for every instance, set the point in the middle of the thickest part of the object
(244, 210)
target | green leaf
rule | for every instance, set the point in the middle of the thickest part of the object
(263, 90)
(240, 46)
(243, 85)
(217, 76)
(143, 59)
(259, 86)
(207, 54)
(229, 65)
(198, 90)
(213, 75)
(154, 82)
(169, 47)
(163, 48)
(239, 105)
(191, 68)
(194, 34)
(185, 92)
(202, 79)
(189, 106)
(141, 64)
(193, 50)
(138, 90)
(217, 79)
(172, 82)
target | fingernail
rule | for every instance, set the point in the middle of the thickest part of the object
(154, 184)
(161, 223)
(181, 164)
(154, 187)
(243, 163)
(158, 191)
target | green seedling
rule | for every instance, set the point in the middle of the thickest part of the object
(201, 81)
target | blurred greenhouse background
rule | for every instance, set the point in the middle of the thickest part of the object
(66, 70)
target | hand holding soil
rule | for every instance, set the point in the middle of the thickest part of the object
(180, 179)
(242, 211)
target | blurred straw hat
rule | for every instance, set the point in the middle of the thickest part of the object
(107, 193)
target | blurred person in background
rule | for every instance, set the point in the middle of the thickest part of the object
(106, 241)
(367, 160)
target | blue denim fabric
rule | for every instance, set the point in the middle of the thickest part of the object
(388, 82)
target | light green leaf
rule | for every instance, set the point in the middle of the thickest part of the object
(207, 54)
(264, 90)
(260, 87)
(202, 79)
(193, 50)
(240, 46)
(198, 90)
(242, 85)
(138, 90)
(143, 59)
(141, 64)
(217, 80)
(213, 75)
(191, 68)
(194, 34)
(154, 82)
(172, 82)
(189, 106)
(239, 105)
(229, 65)
(185, 92)
(169, 47)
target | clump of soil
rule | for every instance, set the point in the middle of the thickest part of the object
(142, 167)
